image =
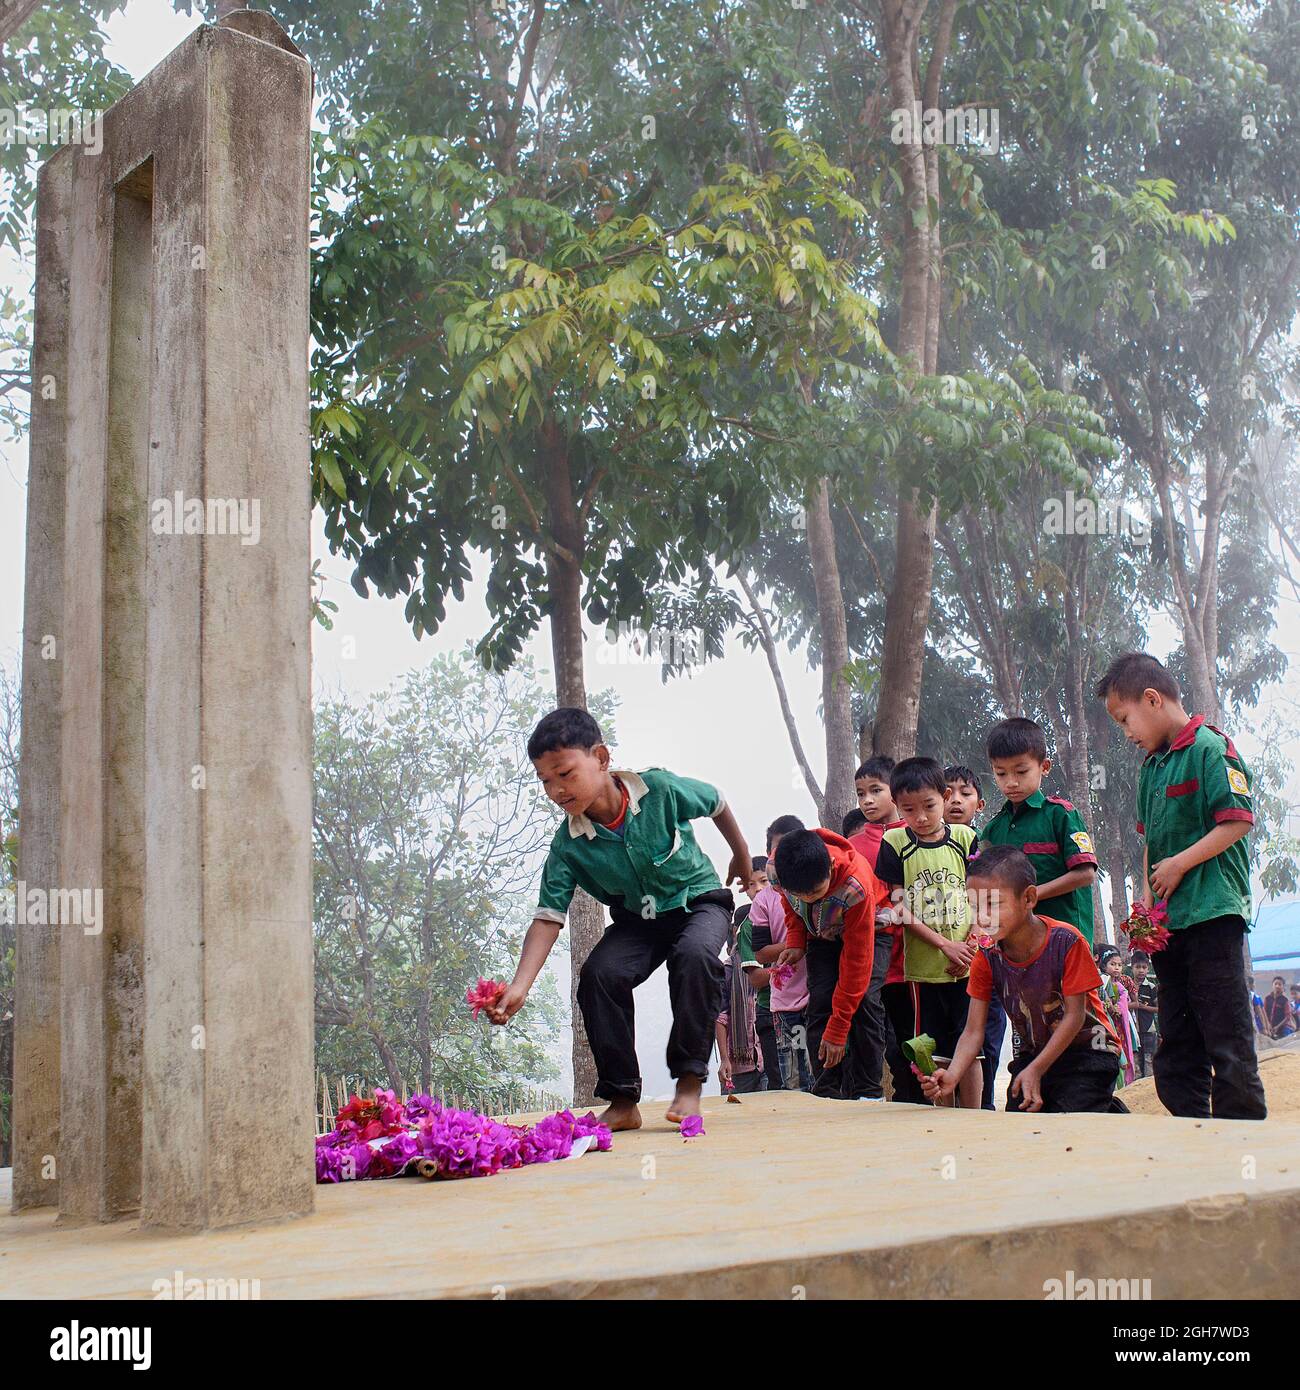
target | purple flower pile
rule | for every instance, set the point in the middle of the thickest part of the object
(463, 1143)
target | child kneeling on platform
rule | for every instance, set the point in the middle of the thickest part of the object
(1066, 1054)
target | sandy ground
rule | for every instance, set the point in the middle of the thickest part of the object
(1279, 1069)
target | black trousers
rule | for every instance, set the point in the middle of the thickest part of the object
(851, 1078)
(897, 1000)
(995, 1030)
(690, 940)
(872, 1071)
(1205, 1062)
(766, 1026)
(1080, 1079)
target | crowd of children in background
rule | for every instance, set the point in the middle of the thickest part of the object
(911, 931)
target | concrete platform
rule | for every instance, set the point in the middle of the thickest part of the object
(784, 1197)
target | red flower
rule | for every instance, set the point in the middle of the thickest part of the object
(1145, 928)
(484, 994)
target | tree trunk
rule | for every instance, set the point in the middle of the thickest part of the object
(768, 643)
(423, 1032)
(1118, 884)
(907, 609)
(907, 616)
(13, 16)
(837, 710)
(1076, 660)
(564, 575)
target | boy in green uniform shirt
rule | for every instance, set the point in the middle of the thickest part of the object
(627, 840)
(1194, 811)
(1045, 828)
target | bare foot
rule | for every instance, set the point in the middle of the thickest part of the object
(686, 1101)
(620, 1114)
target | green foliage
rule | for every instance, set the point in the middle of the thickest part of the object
(429, 830)
(56, 60)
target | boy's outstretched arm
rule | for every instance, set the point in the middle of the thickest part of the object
(538, 940)
(742, 862)
(946, 1080)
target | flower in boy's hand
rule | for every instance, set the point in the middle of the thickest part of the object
(484, 995)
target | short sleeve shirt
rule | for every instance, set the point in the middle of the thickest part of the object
(652, 867)
(1184, 791)
(746, 948)
(1051, 832)
(1148, 992)
(1034, 991)
(933, 882)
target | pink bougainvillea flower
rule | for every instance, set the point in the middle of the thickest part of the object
(463, 1143)
(782, 975)
(420, 1106)
(484, 994)
(393, 1157)
(590, 1125)
(692, 1127)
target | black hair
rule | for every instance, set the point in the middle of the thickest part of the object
(802, 861)
(958, 772)
(759, 862)
(1130, 674)
(916, 775)
(878, 766)
(853, 822)
(566, 727)
(1014, 738)
(782, 825)
(1006, 864)
(1278, 979)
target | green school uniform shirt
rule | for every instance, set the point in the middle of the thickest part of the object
(745, 945)
(1052, 834)
(1184, 791)
(651, 867)
(933, 880)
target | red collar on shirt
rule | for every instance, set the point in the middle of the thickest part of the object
(1188, 735)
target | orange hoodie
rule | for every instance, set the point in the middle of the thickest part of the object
(846, 914)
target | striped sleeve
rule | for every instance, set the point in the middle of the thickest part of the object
(1225, 782)
(1076, 843)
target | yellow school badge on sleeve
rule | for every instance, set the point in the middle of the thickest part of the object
(1083, 841)
(1237, 781)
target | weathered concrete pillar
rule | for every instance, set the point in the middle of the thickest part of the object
(186, 1019)
(36, 1008)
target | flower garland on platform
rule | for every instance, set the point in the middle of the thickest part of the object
(381, 1137)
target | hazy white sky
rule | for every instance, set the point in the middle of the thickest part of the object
(723, 724)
